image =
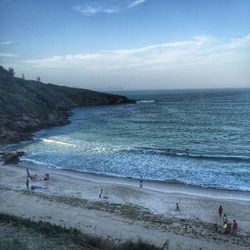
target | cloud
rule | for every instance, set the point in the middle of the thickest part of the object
(199, 60)
(4, 54)
(108, 7)
(136, 3)
(89, 10)
(198, 50)
(8, 55)
(6, 43)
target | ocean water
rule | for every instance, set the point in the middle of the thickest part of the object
(150, 138)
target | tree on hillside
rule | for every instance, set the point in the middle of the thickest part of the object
(38, 79)
(11, 71)
(23, 76)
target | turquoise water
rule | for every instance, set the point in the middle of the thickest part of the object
(150, 138)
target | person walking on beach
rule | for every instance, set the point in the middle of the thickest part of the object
(177, 208)
(220, 209)
(141, 181)
(234, 230)
(100, 193)
(27, 183)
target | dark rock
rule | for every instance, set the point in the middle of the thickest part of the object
(11, 157)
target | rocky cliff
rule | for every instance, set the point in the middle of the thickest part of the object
(27, 106)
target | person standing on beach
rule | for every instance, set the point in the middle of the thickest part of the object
(100, 193)
(177, 208)
(235, 225)
(220, 209)
(27, 183)
(141, 181)
(28, 173)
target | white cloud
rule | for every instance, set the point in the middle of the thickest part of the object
(8, 55)
(199, 50)
(89, 10)
(201, 59)
(136, 3)
(108, 7)
(6, 43)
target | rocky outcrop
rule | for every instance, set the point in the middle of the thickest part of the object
(27, 106)
(11, 157)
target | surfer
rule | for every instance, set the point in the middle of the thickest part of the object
(186, 150)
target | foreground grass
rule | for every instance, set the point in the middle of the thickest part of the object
(19, 233)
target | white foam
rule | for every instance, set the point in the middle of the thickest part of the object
(145, 101)
(58, 142)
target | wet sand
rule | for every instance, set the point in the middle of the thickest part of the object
(70, 198)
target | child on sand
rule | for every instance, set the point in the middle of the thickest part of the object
(105, 195)
(224, 219)
(225, 228)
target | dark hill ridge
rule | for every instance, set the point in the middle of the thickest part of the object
(27, 106)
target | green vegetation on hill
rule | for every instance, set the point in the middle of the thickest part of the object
(19, 233)
(27, 106)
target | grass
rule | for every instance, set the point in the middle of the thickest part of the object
(27, 234)
(12, 244)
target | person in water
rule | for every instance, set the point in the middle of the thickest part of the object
(220, 210)
(187, 151)
(141, 181)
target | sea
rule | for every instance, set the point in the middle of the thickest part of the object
(195, 137)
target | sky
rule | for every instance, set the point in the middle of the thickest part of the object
(128, 44)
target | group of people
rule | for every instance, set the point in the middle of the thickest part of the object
(228, 228)
(33, 178)
(32, 187)
(104, 195)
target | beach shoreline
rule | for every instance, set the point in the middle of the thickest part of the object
(154, 185)
(70, 198)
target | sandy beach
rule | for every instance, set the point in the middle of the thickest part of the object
(71, 199)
